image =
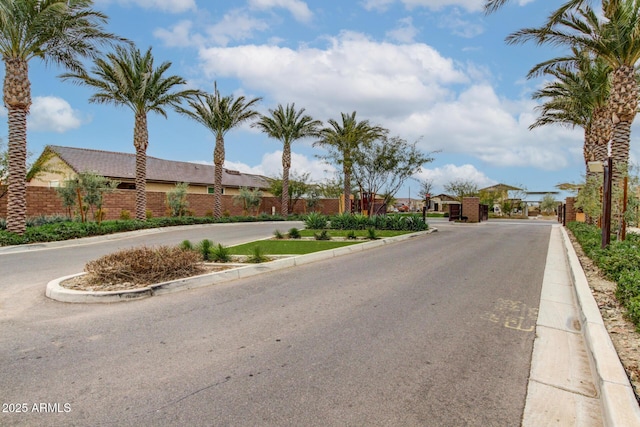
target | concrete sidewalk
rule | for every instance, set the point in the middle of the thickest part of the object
(576, 377)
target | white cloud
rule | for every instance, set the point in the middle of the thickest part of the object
(441, 176)
(469, 5)
(179, 35)
(271, 165)
(352, 73)
(460, 26)
(297, 8)
(405, 32)
(235, 25)
(409, 88)
(171, 6)
(52, 114)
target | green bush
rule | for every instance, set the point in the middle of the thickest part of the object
(315, 221)
(220, 253)
(294, 233)
(278, 234)
(619, 261)
(204, 249)
(323, 235)
(257, 256)
(371, 234)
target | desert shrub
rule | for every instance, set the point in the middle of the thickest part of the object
(628, 286)
(633, 311)
(294, 233)
(220, 253)
(322, 235)
(176, 200)
(257, 256)
(145, 265)
(125, 215)
(278, 234)
(315, 221)
(204, 249)
(352, 235)
(371, 234)
(39, 220)
(187, 245)
(148, 214)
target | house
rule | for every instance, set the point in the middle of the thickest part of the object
(62, 163)
(441, 202)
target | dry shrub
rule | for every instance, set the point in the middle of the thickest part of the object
(145, 265)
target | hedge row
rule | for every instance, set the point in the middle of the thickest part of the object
(619, 261)
(55, 230)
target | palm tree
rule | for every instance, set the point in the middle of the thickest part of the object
(56, 31)
(577, 97)
(128, 78)
(342, 139)
(220, 114)
(491, 6)
(288, 125)
(616, 41)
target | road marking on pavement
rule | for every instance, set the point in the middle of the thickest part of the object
(513, 315)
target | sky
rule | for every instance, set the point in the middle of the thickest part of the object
(435, 72)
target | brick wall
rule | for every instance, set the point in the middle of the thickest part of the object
(571, 210)
(471, 208)
(45, 201)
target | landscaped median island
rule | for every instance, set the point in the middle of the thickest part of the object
(145, 271)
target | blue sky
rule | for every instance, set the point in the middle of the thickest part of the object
(435, 71)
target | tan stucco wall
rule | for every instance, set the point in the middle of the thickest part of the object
(59, 173)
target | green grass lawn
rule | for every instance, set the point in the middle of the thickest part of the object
(288, 247)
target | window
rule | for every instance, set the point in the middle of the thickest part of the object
(210, 190)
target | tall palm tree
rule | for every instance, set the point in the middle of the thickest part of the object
(616, 41)
(56, 31)
(288, 125)
(220, 114)
(578, 96)
(342, 139)
(126, 77)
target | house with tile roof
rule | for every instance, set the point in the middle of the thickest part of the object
(62, 163)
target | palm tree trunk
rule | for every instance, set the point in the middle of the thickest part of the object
(286, 165)
(624, 102)
(17, 99)
(141, 141)
(347, 188)
(218, 161)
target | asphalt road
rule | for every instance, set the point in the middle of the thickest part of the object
(434, 331)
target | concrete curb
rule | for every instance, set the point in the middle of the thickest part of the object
(619, 405)
(58, 293)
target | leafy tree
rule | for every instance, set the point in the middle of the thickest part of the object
(88, 188)
(548, 204)
(461, 188)
(55, 31)
(426, 187)
(381, 166)
(177, 199)
(331, 188)
(220, 114)
(129, 78)
(288, 125)
(589, 199)
(342, 139)
(299, 185)
(249, 199)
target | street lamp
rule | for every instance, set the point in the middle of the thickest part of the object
(607, 168)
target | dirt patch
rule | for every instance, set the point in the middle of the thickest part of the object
(623, 333)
